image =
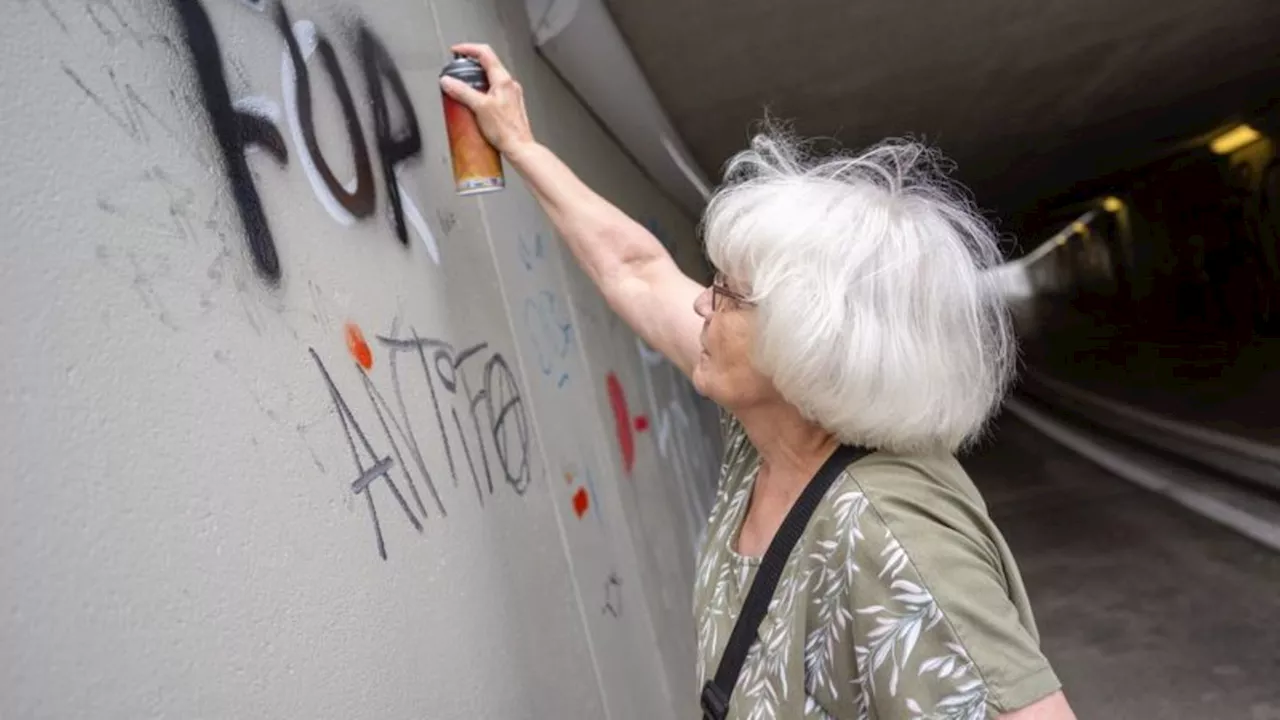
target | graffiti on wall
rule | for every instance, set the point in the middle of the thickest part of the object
(683, 444)
(612, 596)
(243, 124)
(580, 482)
(546, 316)
(624, 422)
(477, 418)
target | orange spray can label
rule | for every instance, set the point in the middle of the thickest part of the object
(477, 165)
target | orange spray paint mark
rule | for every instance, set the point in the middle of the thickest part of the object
(358, 347)
(581, 501)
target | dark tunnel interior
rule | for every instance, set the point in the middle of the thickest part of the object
(1127, 152)
(1165, 291)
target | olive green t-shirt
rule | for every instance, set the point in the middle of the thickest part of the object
(901, 600)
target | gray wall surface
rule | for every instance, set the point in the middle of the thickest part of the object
(291, 429)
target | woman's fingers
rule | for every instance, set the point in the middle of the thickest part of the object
(499, 111)
(488, 59)
(461, 92)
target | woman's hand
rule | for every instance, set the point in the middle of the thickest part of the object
(632, 269)
(500, 112)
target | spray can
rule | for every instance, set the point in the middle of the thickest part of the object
(477, 166)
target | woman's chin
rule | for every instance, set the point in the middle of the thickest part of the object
(703, 380)
(699, 375)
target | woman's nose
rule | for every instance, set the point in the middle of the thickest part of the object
(702, 303)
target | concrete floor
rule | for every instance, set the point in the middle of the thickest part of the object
(1145, 609)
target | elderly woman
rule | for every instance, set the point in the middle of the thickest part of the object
(849, 308)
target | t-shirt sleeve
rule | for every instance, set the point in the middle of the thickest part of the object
(936, 631)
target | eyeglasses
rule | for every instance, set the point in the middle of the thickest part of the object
(719, 289)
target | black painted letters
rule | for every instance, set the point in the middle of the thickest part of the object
(236, 130)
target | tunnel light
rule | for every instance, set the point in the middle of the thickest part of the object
(1112, 204)
(1059, 239)
(1234, 139)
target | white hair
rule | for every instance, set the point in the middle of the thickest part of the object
(876, 317)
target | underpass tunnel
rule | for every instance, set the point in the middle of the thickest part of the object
(1165, 290)
(314, 408)
(1149, 323)
(1128, 152)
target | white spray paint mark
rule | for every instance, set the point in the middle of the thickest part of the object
(683, 472)
(305, 33)
(419, 224)
(260, 107)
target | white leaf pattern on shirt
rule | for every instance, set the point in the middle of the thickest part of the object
(903, 639)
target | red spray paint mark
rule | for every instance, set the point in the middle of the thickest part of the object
(581, 501)
(358, 347)
(642, 423)
(622, 422)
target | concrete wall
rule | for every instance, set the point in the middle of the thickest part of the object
(291, 429)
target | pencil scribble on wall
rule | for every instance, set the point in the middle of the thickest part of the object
(480, 423)
(612, 596)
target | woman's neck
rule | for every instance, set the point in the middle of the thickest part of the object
(791, 448)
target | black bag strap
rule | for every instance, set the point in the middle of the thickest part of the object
(716, 693)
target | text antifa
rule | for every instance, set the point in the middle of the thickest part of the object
(492, 413)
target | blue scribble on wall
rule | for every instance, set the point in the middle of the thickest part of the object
(551, 331)
(546, 316)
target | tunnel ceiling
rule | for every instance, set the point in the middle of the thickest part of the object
(1029, 98)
